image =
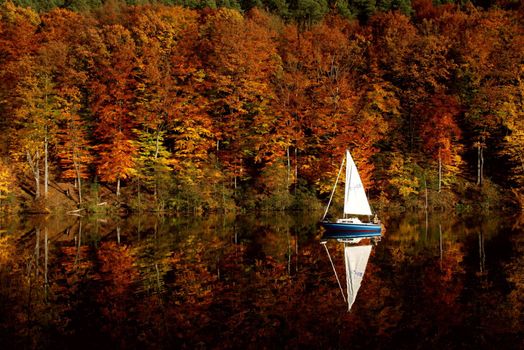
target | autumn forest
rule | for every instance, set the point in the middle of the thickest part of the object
(168, 108)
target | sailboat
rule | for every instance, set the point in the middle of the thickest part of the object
(356, 259)
(355, 203)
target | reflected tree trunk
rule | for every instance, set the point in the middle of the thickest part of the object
(288, 253)
(440, 240)
(482, 253)
(158, 284)
(427, 223)
(37, 250)
(46, 261)
(296, 253)
(79, 243)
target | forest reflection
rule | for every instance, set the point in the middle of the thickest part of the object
(256, 281)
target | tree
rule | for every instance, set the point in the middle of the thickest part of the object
(116, 159)
(241, 58)
(39, 107)
(153, 162)
(440, 131)
(112, 102)
(69, 57)
(73, 150)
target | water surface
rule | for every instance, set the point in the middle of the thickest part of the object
(258, 281)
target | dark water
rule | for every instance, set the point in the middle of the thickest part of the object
(258, 282)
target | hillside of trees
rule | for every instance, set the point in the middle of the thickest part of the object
(224, 105)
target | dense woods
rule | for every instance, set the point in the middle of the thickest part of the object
(251, 105)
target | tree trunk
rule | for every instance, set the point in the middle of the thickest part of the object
(79, 243)
(440, 244)
(288, 167)
(34, 164)
(439, 172)
(138, 194)
(426, 192)
(118, 187)
(481, 166)
(78, 182)
(157, 150)
(46, 260)
(480, 163)
(37, 251)
(295, 180)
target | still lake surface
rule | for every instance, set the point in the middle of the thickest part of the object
(258, 282)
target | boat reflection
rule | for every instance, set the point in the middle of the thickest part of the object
(357, 249)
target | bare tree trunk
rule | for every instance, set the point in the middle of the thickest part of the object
(482, 253)
(79, 243)
(288, 167)
(118, 187)
(426, 190)
(46, 260)
(79, 181)
(34, 164)
(439, 171)
(478, 164)
(296, 171)
(440, 243)
(37, 251)
(157, 150)
(481, 166)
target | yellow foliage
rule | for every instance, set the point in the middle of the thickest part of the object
(5, 181)
(402, 177)
(6, 250)
(10, 13)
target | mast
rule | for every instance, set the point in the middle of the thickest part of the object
(334, 188)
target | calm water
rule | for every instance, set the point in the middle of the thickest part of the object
(258, 282)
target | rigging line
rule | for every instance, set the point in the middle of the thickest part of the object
(334, 270)
(334, 187)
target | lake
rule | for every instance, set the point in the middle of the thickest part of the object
(258, 281)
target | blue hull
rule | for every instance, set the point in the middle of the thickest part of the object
(350, 230)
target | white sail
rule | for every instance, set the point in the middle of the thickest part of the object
(355, 200)
(356, 258)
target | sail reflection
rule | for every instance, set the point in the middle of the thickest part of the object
(356, 255)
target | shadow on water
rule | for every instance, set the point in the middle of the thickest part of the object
(257, 281)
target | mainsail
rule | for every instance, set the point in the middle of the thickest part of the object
(355, 200)
(356, 258)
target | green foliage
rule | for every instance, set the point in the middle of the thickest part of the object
(403, 6)
(308, 12)
(343, 9)
(363, 9)
(82, 5)
(274, 188)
